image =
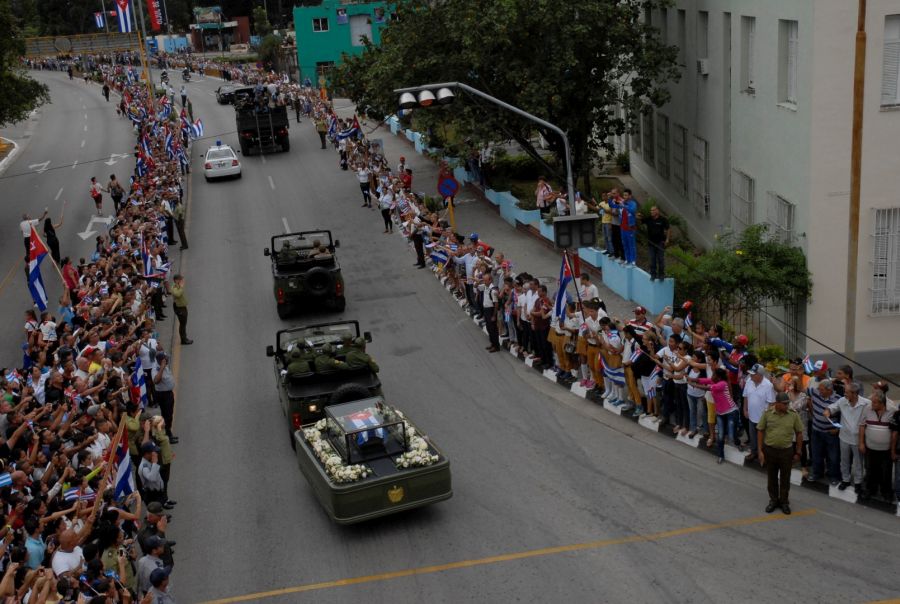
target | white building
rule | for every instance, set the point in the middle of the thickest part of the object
(759, 130)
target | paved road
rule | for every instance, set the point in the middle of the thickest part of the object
(626, 515)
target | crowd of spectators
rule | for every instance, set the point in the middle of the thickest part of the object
(86, 419)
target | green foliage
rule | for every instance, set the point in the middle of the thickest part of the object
(19, 94)
(261, 25)
(623, 161)
(433, 204)
(561, 61)
(269, 48)
(770, 353)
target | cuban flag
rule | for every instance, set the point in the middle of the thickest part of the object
(145, 146)
(353, 130)
(5, 480)
(689, 321)
(147, 263)
(141, 166)
(636, 355)
(165, 107)
(197, 129)
(124, 478)
(36, 255)
(439, 257)
(565, 277)
(124, 10)
(170, 145)
(13, 377)
(365, 419)
(808, 366)
(616, 375)
(182, 156)
(332, 126)
(185, 124)
(138, 390)
(75, 493)
(99, 20)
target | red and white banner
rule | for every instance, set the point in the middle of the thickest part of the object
(155, 12)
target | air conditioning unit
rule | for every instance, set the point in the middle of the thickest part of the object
(703, 67)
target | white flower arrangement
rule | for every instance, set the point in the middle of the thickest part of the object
(418, 454)
(334, 464)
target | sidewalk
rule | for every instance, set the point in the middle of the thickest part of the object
(475, 214)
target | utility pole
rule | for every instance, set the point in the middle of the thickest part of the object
(859, 83)
(105, 15)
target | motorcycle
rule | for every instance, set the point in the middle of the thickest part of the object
(164, 78)
(185, 76)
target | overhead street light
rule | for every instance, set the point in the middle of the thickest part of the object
(576, 231)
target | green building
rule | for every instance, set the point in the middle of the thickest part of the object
(335, 27)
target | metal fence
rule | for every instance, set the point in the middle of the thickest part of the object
(770, 323)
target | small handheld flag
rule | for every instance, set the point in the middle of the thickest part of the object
(808, 366)
(565, 277)
(36, 255)
(197, 129)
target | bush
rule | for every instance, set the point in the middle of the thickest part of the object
(770, 353)
(623, 161)
(433, 204)
(517, 167)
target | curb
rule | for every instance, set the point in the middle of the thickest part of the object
(9, 156)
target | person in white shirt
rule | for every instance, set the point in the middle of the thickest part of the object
(759, 393)
(851, 406)
(588, 291)
(25, 227)
(363, 174)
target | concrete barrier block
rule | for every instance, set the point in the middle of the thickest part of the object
(649, 422)
(796, 477)
(732, 455)
(492, 196)
(691, 442)
(615, 409)
(530, 361)
(849, 495)
(550, 375)
(579, 390)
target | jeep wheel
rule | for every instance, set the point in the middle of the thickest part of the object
(284, 311)
(318, 281)
(348, 392)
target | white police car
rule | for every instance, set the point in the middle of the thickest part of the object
(221, 161)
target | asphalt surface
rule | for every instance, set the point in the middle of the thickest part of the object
(647, 519)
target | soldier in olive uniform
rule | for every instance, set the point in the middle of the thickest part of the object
(357, 357)
(299, 362)
(287, 254)
(325, 361)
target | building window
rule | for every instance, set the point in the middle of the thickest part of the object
(662, 145)
(743, 200)
(323, 68)
(703, 34)
(647, 133)
(890, 68)
(320, 24)
(679, 163)
(788, 56)
(781, 218)
(748, 46)
(636, 139)
(700, 176)
(886, 263)
(682, 35)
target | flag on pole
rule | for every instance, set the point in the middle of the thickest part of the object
(197, 129)
(36, 255)
(124, 10)
(99, 19)
(170, 145)
(353, 130)
(124, 478)
(185, 124)
(636, 355)
(808, 366)
(689, 321)
(138, 389)
(565, 277)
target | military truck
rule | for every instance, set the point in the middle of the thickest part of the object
(304, 396)
(305, 271)
(261, 128)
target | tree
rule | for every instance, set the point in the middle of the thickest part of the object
(568, 62)
(21, 94)
(269, 50)
(261, 24)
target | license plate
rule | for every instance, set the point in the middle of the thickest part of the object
(222, 164)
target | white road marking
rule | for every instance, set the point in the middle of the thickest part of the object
(287, 229)
(58, 194)
(263, 158)
(82, 143)
(75, 164)
(85, 116)
(271, 183)
(84, 106)
(39, 168)
(85, 127)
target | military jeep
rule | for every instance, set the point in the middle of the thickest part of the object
(304, 396)
(305, 271)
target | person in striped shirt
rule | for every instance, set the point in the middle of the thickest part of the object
(824, 443)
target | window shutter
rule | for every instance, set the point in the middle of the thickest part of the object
(751, 35)
(890, 73)
(792, 62)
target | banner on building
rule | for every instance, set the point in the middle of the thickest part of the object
(155, 12)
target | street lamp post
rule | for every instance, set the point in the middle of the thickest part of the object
(571, 231)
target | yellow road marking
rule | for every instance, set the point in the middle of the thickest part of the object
(12, 271)
(533, 553)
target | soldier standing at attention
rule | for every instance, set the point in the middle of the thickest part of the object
(179, 305)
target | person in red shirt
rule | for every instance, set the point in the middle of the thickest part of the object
(406, 179)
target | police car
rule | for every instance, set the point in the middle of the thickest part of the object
(221, 161)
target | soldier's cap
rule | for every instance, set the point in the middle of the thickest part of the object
(782, 397)
(359, 342)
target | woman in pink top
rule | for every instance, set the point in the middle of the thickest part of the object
(726, 410)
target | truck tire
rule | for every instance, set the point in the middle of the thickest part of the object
(348, 392)
(284, 311)
(318, 281)
(244, 148)
(286, 144)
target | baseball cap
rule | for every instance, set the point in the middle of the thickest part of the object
(741, 340)
(159, 575)
(149, 447)
(687, 305)
(782, 397)
(474, 236)
(155, 541)
(640, 310)
(820, 366)
(756, 369)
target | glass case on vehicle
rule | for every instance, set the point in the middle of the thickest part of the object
(365, 430)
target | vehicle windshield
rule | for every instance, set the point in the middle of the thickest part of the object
(302, 241)
(317, 336)
(220, 154)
